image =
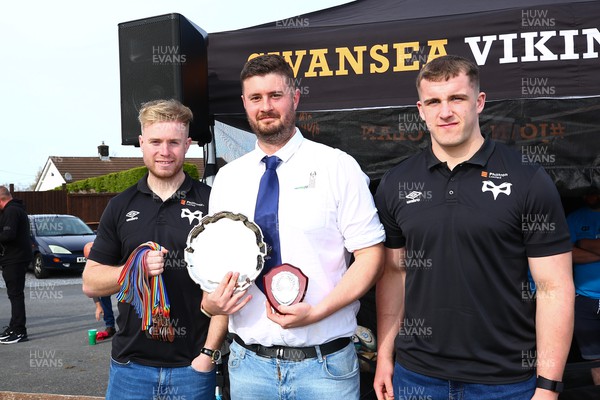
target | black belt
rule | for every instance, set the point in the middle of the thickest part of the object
(294, 353)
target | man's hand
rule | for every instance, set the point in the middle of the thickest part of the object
(294, 316)
(202, 363)
(155, 262)
(99, 311)
(382, 383)
(224, 300)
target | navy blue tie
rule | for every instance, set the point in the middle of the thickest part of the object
(266, 215)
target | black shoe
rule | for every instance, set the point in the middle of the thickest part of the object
(110, 331)
(14, 338)
(5, 333)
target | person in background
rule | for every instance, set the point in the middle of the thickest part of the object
(175, 356)
(324, 213)
(15, 257)
(455, 317)
(103, 305)
(584, 224)
(104, 310)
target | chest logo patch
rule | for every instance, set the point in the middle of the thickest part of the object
(191, 216)
(489, 186)
(413, 197)
(132, 215)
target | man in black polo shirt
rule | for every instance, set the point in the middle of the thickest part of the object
(172, 359)
(465, 223)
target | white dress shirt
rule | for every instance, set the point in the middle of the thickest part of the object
(326, 211)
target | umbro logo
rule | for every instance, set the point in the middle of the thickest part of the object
(132, 215)
(413, 197)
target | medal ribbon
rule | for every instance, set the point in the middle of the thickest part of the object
(147, 296)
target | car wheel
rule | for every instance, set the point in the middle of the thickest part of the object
(38, 267)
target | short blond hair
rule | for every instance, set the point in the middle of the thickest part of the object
(164, 111)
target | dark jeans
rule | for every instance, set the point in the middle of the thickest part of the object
(109, 315)
(411, 385)
(14, 277)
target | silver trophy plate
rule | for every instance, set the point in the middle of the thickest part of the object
(224, 242)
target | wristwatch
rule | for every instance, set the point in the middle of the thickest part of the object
(215, 355)
(544, 383)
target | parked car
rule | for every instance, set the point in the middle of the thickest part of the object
(57, 243)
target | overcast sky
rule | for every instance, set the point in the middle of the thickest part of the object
(59, 66)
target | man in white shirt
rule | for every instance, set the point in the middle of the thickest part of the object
(326, 214)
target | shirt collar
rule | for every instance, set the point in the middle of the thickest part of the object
(480, 158)
(284, 153)
(185, 187)
(142, 185)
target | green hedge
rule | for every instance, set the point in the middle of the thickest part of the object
(116, 182)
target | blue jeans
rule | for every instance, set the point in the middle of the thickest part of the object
(411, 385)
(252, 377)
(131, 381)
(109, 315)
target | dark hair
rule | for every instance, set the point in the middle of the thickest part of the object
(267, 64)
(446, 67)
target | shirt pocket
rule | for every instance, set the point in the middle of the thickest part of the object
(307, 210)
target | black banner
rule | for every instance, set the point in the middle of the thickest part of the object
(549, 51)
(538, 66)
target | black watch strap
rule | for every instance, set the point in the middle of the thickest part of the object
(544, 383)
(215, 355)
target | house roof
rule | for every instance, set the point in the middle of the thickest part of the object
(81, 168)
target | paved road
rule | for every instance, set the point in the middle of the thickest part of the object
(57, 358)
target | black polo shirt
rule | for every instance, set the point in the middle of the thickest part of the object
(132, 218)
(469, 309)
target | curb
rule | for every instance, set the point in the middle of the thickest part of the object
(43, 396)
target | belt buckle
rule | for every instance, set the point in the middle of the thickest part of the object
(290, 354)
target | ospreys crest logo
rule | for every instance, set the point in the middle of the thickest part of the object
(489, 186)
(191, 216)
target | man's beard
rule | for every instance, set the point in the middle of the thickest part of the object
(275, 133)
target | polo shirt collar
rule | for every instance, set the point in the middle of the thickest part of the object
(481, 157)
(286, 152)
(484, 153)
(142, 185)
